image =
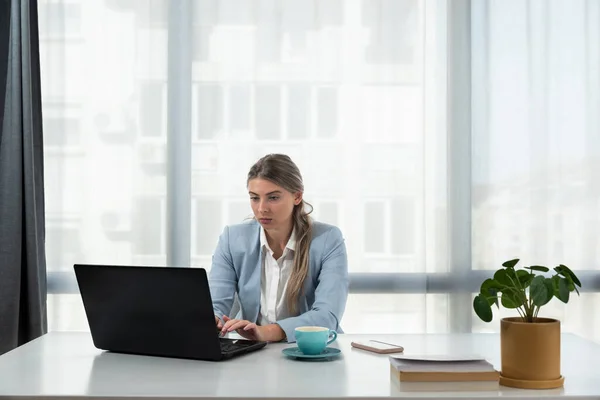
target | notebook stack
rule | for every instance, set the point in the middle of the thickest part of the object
(436, 373)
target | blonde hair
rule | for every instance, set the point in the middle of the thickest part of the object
(281, 170)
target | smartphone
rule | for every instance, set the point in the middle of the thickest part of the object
(378, 347)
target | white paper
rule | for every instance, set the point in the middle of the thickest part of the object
(439, 357)
(441, 366)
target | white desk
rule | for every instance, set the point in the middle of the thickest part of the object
(66, 365)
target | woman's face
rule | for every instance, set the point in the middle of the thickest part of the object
(272, 205)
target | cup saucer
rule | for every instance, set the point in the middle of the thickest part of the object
(294, 352)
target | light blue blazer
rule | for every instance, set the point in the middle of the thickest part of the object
(236, 268)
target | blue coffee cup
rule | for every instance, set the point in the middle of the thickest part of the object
(312, 340)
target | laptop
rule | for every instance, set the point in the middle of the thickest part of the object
(154, 311)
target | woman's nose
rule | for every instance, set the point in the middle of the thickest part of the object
(262, 207)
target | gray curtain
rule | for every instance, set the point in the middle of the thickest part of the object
(22, 228)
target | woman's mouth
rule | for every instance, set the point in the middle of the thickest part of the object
(265, 220)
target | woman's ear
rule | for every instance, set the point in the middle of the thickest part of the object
(297, 198)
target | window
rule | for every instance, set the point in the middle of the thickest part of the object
(374, 232)
(60, 19)
(298, 111)
(61, 131)
(148, 238)
(392, 27)
(427, 170)
(152, 116)
(208, 225)
(239, 109)
(267, 105)
(327, 111)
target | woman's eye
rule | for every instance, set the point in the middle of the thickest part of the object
(274, 198)
(254, 198)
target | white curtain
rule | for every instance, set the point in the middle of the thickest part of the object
(154, 111)
(536, 143)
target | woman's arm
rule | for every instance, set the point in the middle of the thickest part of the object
(222, 279)
(331, 292)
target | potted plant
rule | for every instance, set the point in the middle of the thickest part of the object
(529, 345)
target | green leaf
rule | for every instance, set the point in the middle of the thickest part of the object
(541, 290)
(511, 300)
(525, 278)
(570, 283)
(489, 290)
(510, 263)
(539, 268)
(549, 287)
(482, 308)
(565, 271)
(563, 290)
(512, 279)
(555, 280)
(501, 277)
(490, 284)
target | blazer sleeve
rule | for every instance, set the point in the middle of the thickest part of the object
(331, 292)
(222, 278)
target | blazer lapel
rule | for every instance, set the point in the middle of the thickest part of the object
(254, 263)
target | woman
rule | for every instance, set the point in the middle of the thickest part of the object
(286, 269)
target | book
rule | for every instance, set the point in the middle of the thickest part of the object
(465, 386)
(406, 368)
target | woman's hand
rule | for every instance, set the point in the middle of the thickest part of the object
(243, 327)
(219, 323)
(249, 330)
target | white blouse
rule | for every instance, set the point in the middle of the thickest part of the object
(274, 278)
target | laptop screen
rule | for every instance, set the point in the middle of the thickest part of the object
(165, 311)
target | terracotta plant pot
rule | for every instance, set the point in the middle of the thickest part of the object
(530, 353)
